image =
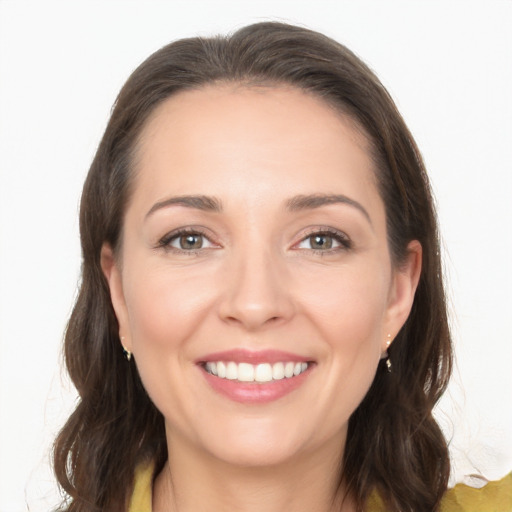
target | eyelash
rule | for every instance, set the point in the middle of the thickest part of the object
(165, 241)
(338, 236)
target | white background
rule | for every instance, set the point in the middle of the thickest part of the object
(447, 64)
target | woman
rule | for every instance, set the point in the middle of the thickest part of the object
(260, 243)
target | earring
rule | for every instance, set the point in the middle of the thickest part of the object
(388, 361)
(126, 352)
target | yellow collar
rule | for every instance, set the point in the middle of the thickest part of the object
(493, 497)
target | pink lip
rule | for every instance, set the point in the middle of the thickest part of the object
(253, 357)
(255, 393)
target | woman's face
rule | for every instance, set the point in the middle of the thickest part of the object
(254, 285)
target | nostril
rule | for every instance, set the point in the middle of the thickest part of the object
(255, 299)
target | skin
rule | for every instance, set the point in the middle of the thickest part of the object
(258, 282)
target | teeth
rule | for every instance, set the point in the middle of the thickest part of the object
(211, 368)
(221, 370)
(264, 372)
(278, 371)
(232, 371)
(245, 372)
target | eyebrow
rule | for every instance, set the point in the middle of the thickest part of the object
(296, 203)
(205, 203)
(306, 202)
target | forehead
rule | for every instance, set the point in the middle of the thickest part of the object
(199, 140)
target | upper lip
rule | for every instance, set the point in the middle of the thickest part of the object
(253, 356)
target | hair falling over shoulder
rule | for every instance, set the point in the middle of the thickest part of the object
(394, 445)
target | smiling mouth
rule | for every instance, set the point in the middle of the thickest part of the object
(255, 373)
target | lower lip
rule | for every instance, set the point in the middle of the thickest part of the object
(255, 393)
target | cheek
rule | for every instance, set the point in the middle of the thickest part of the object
(348, 309)
(164, 307)
(164, 311)
(349, 318)
(349, 305)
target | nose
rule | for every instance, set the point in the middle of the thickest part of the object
(257, 292)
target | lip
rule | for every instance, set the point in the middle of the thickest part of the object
(254, 393)
(253, 357)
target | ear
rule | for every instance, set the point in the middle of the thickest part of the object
(112, 272)
(403, 287)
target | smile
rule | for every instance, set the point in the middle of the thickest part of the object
(258, 373)
(255, 377)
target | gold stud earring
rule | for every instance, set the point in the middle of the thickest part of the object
(388, 361)
(126, 352)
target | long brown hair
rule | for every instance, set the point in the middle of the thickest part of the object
(394, 444)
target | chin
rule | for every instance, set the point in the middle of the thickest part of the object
(258, 443)
(256, 455)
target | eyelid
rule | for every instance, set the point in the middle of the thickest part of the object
(165, 241)
(341, 238)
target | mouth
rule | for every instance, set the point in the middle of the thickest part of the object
(255, 373)
(255, 377)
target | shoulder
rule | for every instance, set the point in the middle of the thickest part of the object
(493, 497)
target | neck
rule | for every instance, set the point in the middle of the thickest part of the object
(191, 480)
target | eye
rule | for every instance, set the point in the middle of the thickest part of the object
(185, 241)
(188, 242)
(323, 241)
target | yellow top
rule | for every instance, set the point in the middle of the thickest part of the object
(493, 497)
